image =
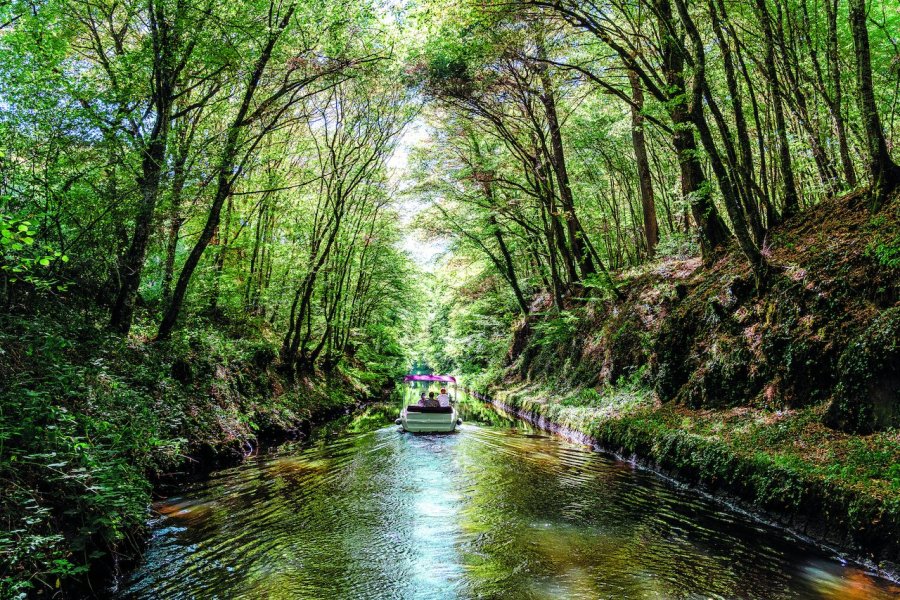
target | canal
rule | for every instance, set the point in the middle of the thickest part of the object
(496, 510)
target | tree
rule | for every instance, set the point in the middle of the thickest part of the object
(173, 39)
(353, 136)
(254, 118)
(884, 173)
(791, 205)
(645, 179)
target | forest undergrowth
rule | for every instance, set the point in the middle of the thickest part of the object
(99, 418)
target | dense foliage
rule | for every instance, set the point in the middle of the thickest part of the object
(202, 232)
(576, 139)
(197, 230)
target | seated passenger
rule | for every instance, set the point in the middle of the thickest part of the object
(431, 401)
(443, 398)
(421, 401)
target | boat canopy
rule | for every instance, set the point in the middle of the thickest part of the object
(444, 378)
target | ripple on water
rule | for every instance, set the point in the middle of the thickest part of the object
(492, 512)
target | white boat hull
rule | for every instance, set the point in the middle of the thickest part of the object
(428, 422)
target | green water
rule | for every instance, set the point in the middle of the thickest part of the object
(497, 510)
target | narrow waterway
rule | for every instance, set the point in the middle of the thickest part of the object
(497, 510)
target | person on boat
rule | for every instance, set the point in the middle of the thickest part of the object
(431, 401)
(422, 399)
(443, 398)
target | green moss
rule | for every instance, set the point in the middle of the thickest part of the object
(841, 489)
(867, 397)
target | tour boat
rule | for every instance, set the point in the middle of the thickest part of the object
(428, 419)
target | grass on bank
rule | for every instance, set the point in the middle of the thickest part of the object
(792, 439)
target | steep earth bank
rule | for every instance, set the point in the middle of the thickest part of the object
(786, 399)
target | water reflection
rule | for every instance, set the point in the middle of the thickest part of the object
(496, 510)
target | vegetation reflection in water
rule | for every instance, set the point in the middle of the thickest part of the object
(497, 510)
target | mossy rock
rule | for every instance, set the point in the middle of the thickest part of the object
(263, 354)
(867, 397)
(803, 362)
(626, 352)
(724, 379)
(670, 364)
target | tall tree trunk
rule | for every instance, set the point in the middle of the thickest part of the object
(184, 278)
(743, 163)
(762, 190)
(883, 172)
(224, 180)
(132, 265)
(699, 92)
(295, 349)
(791, 202)
(645, 179)
(550, 235)
(558, 161)
(713, 232)
(836, 101)
(557, 237)
(508, 263)
(507, 267)
(167, 67)
(806, 121)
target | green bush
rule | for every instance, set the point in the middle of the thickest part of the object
(886, 252)
(678, 245)
(22, 260)
(555, 329)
